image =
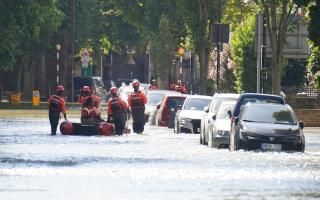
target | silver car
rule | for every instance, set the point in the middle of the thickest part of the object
(212, 110)
(188, 117)
(219, 129)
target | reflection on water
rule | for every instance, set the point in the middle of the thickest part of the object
(156, 165)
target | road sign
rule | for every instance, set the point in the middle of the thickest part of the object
(220, 33)
(188, 54)
(85, 58)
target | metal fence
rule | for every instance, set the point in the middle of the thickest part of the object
(299, 90)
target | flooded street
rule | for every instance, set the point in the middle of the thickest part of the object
(155, 165)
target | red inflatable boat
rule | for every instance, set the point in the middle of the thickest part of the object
(69, 128)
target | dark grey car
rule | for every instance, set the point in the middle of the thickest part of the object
(267, 126)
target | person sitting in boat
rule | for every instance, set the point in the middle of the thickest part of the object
(90, 114)
(85, 92)
(117, 110)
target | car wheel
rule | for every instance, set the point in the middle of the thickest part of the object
(201, 135)
(301, 146)
(205, 137)
(210, 139)
(178, 128)
(231, 143)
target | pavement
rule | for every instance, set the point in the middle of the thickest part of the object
(311, 129)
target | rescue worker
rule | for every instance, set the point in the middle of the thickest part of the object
(90, 115)
(117, 110)
(137, 101)
(153, 85)
(85, 92)
(56, 105)
(180, 88)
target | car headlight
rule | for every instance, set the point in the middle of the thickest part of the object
(222, 133)
(185, 120)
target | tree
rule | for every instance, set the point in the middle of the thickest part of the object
(294, 73)
(313, 9)
(279, 14)
(199, 17)
(164, 45)
(243, 58)
(25, 29)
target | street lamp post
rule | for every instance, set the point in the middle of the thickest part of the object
(181, 52)
(58, 47)
(101, 63)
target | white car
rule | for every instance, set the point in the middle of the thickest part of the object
(124, 92)
(219, 127)
(187, 119)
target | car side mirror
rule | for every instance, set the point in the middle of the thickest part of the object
(236, 121)
(180, 107)
(158, 106)
(229, 113)
(214, 117)
(206, 109)
(301, 124)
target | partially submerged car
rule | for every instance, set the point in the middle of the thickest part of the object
(187, 118)
(212, 110)
(170, 103)
(267, 126)
(219, 127)
(154, 98)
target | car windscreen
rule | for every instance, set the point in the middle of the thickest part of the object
(223, 111)
(154, 98)
(98, 83)
(80, 82)
(173, 102)
(196, 103)
(268, 114)
(256, 99)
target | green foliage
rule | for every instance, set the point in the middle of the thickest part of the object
(294, 73)
(242, 52)
(228, 79)
(313, 26)
(244, 60)
(237, 11)
(314, 64)
(26, 27)
(163, 46)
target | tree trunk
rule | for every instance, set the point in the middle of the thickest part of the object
(40, 80)
(64, 60)
(19, 68)
(203, 70)
(28, 77)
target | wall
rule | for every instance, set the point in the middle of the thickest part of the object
(310, 117)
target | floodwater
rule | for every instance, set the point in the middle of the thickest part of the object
(155, 165)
